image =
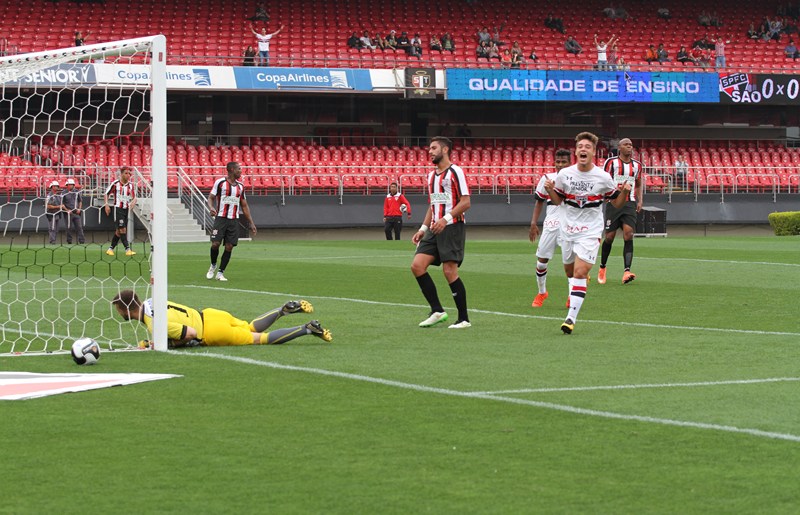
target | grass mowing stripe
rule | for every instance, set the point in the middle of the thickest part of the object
(500, 313)
(511, 400)
(637, 386)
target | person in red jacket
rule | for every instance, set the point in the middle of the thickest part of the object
(393, 208)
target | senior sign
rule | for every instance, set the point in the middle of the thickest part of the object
(589, 86)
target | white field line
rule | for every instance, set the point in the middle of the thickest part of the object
(719, 261)
(511, 400)
(638, 386)
(499, 313)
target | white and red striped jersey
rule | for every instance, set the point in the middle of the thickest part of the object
(445, 189)
(552, 218)
(229, 197)
(623, 172)
(123, 194)
(583, 195)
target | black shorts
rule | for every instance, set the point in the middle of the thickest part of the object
(616, 218)
(448, 245)
(120, 218)
(225, 229)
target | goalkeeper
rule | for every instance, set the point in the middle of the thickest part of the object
(187, 327)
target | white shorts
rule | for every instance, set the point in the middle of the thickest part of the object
(547, 244)
(585, 248)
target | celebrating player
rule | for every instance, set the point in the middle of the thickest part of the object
(550, 228)
(623, 168)
(188, 327)
(225, 202)
(582, 187)
(440, 239)
(124, 200)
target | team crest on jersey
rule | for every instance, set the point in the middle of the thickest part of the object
(214, 232)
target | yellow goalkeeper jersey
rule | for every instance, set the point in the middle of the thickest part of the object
(179, 317)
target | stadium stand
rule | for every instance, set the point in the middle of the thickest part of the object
(216, 31)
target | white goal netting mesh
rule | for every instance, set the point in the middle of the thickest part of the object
(71, 118)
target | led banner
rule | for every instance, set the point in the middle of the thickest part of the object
(178, 77)
(61, 75)
(304, 79)
(587, 86)
(759, 88)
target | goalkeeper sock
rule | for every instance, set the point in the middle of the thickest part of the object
(627, 254)
(226, 257)
(576, 297)
(429, 291)
(214, 255)
(279, 336)
(541, 276)
(262, 323)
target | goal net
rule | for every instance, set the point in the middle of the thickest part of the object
(72, 118)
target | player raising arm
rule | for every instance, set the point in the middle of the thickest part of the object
(582, 188)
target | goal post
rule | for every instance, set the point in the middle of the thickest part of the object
(76, 116)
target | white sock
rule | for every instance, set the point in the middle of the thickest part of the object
(541, 276)
(576, 297)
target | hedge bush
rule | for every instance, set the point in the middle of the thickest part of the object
(786, 223)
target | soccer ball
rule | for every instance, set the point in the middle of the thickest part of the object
(403, 208)
(85, 351)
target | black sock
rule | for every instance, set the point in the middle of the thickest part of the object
(214, 255)
(226, 256)
(429, 291)
(605, 253)
(124, 241)
(460, 298)
(114, 241)
(627, 254)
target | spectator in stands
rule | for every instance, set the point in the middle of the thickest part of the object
(572, 46)
(661, 54)
(80, 39)
(616, 13)
(506, 59)
(650, 54)
(703, 43)
(447, 43)
(380, 41)
(261, 14)
(494, 52)
(701, 57)
(791, 50)
(517, 60)
(484, 36)
(775, 27)
(463, 132)
(683, 55)
(719, 51)
(532, 56)
(416, 48)
(704, 19)
(391, 40)
(714, 20)
(53, 210)
(263, 44)
(482, 50)
(681, 170)
(551, 22)
(516, 49)
(612, 56)
(353, 41)
(602, 51)
(436, 43)
(496, 36)
(403, 43)
(752, 33)
(366, 41)
(72, 205)
(663, 13)
(622, 65)
(249, 56)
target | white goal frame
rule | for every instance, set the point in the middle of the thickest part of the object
(14, 67)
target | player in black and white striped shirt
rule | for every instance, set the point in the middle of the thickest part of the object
(124, 194)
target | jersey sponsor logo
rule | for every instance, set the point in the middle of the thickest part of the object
(551, 224)
(440, 198)
(576, 229)
(230, 200)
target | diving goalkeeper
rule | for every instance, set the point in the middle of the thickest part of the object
(188, 327)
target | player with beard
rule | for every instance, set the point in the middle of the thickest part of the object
(623, 169)
(441, 238)
(582, 188)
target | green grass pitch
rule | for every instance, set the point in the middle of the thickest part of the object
(677, 393)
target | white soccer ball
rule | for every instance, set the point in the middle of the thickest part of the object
(403, 208)
(85, 351)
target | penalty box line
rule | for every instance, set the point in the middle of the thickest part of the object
(510, 400)
(498, 313)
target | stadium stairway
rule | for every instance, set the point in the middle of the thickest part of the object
(182, 226)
